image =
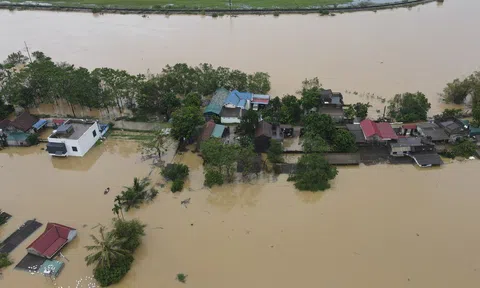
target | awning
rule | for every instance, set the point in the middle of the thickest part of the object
(56, 148)
(39, 124)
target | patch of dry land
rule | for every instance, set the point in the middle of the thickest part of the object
(379, 226)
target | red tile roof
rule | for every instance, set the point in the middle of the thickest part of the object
(51, 241)
(383, 130)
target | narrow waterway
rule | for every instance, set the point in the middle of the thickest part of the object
(382, 53)
(379, 226)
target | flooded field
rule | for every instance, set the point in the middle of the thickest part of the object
(382, 226)
(380, 53)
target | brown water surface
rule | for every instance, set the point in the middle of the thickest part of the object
(379, 226)
(382, 53)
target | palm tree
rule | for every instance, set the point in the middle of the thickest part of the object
(107, 249)
(135, 195)
(117, 209)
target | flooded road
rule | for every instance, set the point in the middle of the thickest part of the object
(379, 226)
(382, 53)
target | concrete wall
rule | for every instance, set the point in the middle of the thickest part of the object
(230, 120)
(83, 144)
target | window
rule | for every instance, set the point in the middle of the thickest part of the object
(74, 149)
(94, 133)
(394, 153)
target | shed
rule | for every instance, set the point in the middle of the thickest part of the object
(40, 124)
(52, 240)
(24, 121)
(357, 132)
(17, 139)
(207, 131)
(218, 131)
(216, 104)
(263, 134)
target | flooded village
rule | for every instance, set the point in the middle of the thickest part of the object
(401, 210)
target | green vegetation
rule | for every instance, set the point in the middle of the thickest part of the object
(249, 123)
(176, 173)
(314, 143)
(32, 139)
(155, 143)
(311, 89)
(185, 122)
(221, 158)
(409, 107)
(458, 90)
(5, 261)
(313, 173)
(203, 4)
(275, 152)
(450, 113)
(361, 109)
(465, 149)
(213, 177)
(111, 253)
(343, 141)
(3, 217)
(182, 277)
(136, 194)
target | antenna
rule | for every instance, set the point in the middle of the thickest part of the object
(28, 51)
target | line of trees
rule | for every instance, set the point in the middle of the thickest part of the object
(28, 82)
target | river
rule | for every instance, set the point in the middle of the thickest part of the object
(381, 53)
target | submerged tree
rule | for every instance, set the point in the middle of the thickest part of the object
(156, 144)
(106, 249)
(409, 107)
(275, 152)
(136, 194)
(313, 173)
(185, 122)
(249, 123)
(343, 141)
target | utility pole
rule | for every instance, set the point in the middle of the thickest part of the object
(28, 51)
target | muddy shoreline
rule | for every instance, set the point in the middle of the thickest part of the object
(212, 12)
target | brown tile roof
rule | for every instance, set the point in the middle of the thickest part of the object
(4, 123)
(24, 121)
(264, 129)
(207, 130)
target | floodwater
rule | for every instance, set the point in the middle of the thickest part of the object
(377, 227)
(376, 54)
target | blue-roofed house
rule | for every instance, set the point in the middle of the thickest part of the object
(238, 99)
(216, 104)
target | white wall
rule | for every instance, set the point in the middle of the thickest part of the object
(229, 120)
(83, 144)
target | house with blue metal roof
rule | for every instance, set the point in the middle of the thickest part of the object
(216, 104)
(238, 99)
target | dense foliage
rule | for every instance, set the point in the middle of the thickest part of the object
(176, 173)
(132, 231)
(249, 123)
(107, 276)
(314, 143)
(5, 109)
(313, 173)
(275, 151)
(136, 194)
(458, 90)
(449, 113)
(319, 124)
(361, 109)
(185, 122)
(106, 249)
(220, 157)
(344, 141)
(465, 149)
(409, 107)
(213, 177)
(5, 261)
(311, 89)
(158, 96)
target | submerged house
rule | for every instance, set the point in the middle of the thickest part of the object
(410, 145)
(377, 132)
(52, 240)
(237, 103)
(432, 132)
(454, 128)
(216, 104)
(263, 134)
(18, 130)
(73, 138)
(356, 131)
(331, 103)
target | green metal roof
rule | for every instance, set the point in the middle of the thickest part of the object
(474, 131)
(218, 131)
(17, 136)
(217, 101)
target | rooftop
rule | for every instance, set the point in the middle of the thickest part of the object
(230, 112)
(72, 129)
(238, 99)
(264, 129)
(332, 111)
(218, 131)
(215, 105)
(24, 121)
(433, 130)
(357, 132)
(407, 142)
(382, 129)
(52, 240)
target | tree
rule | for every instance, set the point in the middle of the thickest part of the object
(106, 250)
(185, 122)
(457, 91)
(132, 231)
(5, 109)
(249, 123)
(291, 111)
(136, 194)
(272, 113)
(361, 110)
(220, 157)
(176, 173)
(155, 99)
(319, 124)
(156, 144)
(409, 107)
(275, 152)
(237, 80)
(450, 113)
(247, 160)
(350, 112)
(117, 210)
(5, 261)
(314, 143)
(15, 59)
(465, 148)
(311, 89)
(343, 141)
(192, 99)
(259, 83)
(213, 177)
(313, 173)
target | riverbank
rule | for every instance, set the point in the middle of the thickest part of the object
(99, 7)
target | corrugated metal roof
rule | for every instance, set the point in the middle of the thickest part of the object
(218, 131)
(40, 124)
(215, 105)
(238, 99)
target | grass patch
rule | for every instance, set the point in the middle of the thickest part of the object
(199, 4)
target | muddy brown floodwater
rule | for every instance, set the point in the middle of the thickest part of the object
(379, 226)
(382, 53)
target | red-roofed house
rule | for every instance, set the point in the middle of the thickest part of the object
(377, 131)
(52, 240)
